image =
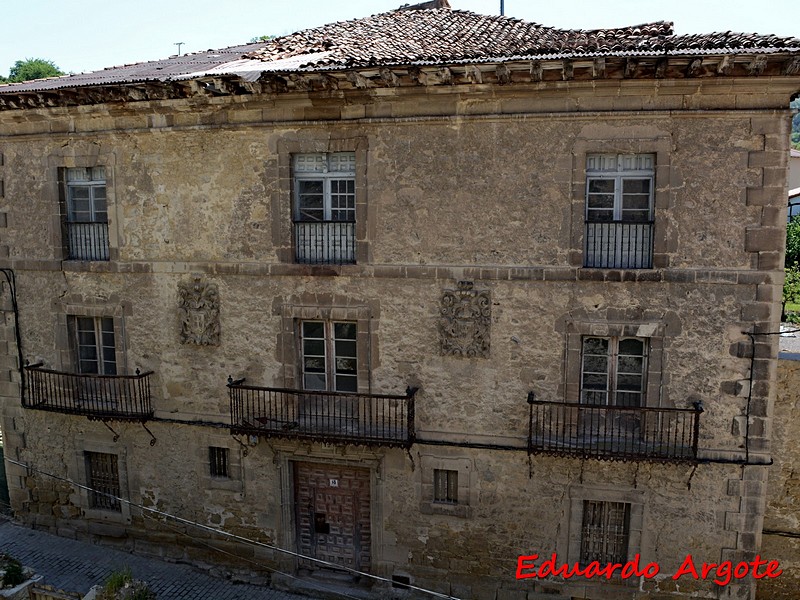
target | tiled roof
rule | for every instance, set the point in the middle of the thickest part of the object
(441, 35)
(424, 34)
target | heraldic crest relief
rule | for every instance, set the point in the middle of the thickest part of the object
(199, 312)
(465, 317)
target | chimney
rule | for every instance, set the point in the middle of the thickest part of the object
(426, 5)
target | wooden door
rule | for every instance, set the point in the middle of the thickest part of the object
(332, 512)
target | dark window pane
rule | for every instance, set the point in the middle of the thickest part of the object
(313, 187)
(344, 331)
(635, 202)
(592, 345)
(603, 186)
(631, 347)
(592, 381)
(313, 329)
(595, 364)
(346, 383)
(636, 186)
(346, 348)
(629, 383)
(313, 381)
(600, 201)
(599, 216)
(313, 347)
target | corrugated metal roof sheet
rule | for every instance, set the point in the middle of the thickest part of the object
(159, 70)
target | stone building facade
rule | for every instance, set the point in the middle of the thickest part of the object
(413, 317)
(781, 532)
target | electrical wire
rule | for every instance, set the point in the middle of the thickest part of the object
(315, 584)
(233, 536)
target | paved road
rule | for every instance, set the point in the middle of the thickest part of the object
(77, 566)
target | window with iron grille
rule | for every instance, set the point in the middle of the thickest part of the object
(445, 486)
(605, 532)
(329, 356)
(324, 207)
(102, 477)
(619, 211)
(94, 347)
(86, 213)
(219, 460)
(613, 371)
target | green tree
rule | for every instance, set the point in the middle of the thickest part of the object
(791, 290)
(793, 242)
(32, 68)
(261, 38)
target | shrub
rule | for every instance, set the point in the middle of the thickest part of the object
(120, 585)
(12, 571)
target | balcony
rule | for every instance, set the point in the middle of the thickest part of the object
(87, 241)
(618, 245)
(329, 417)
(106, 397)
(325, 242)
(613, 432)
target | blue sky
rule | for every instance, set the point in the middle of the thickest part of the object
(85, 35)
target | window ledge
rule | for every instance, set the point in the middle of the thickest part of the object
(620, 275)
(439, 508)
(108, 516)
(224, 483)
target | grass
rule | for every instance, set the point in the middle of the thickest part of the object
(117, 580)
(792, 307)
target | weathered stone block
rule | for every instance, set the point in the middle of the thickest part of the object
(763, 239)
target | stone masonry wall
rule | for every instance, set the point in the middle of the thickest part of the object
(486, 188)
(782, 518)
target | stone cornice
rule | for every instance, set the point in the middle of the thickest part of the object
(373, 80)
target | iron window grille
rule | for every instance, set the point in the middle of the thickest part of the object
(219, 460)
(445, 486)
(619, 211)
(605, 532)
(324, 207)
(102, 472)
(87, 213)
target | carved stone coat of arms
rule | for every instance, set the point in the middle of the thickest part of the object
(465, 320)
(199, 312)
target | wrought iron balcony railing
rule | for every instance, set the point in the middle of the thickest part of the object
(87, 241)
(613, 432)
(111, 397)
(325, 242)
(330, 417)
(618, 245)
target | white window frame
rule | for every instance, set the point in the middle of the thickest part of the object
(613, 371)
(98, 329)
(87, 234)
(329, 168)
(93, 180)
(620, 168)
(331, 356)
